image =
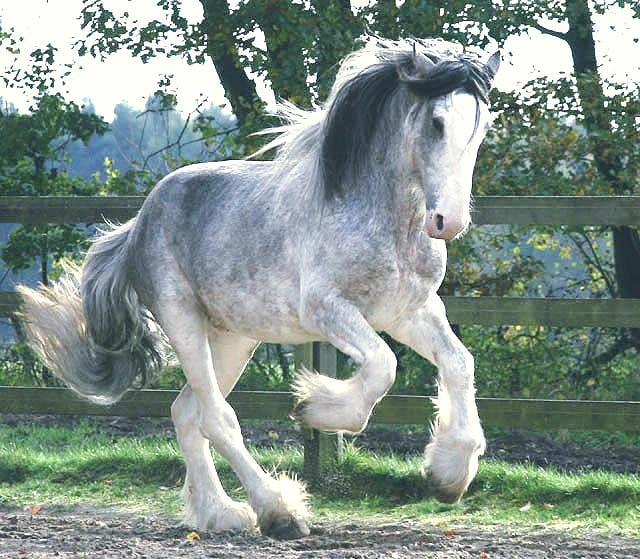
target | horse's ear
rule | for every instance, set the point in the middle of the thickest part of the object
(415, 68)
(493, 64)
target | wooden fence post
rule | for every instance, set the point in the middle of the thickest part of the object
(321, 450)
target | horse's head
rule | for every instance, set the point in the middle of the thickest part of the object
(407, 113)
(446, 124)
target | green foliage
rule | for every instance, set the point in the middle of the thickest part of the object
(32, 150)
(28, 243)
(31, 147)
(541, 362)
(272, 366)
(17, 367)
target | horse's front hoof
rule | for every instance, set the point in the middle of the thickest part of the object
(283, 509)
(287, 528)
(443, 494)
(450, 465)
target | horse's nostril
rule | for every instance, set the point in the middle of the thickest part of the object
(439, 222)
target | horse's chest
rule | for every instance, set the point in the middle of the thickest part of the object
(419, 273)
(426, 265)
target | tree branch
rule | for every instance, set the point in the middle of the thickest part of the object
(177, 141)
(547, 31)
(594, 260)
(619, 346)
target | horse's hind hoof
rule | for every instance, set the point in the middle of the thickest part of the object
(287, 528)
(443, 496)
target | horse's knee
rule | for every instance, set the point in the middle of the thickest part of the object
(380, 371)
(458, 367)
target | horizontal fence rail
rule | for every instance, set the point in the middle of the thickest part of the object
(495, 311)
(507, 210)
(38, 210)
(557, 210)
(504, 413)
(392, 410)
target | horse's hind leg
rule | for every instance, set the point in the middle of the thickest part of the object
(279, 504)
(207, 506)
(344, 405)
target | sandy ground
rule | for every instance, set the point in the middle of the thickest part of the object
(97, 534)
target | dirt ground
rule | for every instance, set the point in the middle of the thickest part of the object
(95, 534)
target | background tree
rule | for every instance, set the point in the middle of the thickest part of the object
(595, 136)
(32, 152)
(574, 135)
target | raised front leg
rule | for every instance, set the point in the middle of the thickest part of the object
(344, 405)
(451, 458)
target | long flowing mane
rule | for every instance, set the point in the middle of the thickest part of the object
(332, 142)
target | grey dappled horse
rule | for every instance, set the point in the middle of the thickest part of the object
(341, 236)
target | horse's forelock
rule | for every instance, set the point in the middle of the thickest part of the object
(448, 75)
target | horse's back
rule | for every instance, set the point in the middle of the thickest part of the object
(203, 190)
(215, 230)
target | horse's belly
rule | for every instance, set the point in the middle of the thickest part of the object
(265, 311)
(275, 330)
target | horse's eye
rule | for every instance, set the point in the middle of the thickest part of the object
(438, 125)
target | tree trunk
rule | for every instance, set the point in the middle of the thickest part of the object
(607, 158)
(626, 254)
(284, 363)
(239, 89)
(592, 99)
(287, 70)
(44, 262)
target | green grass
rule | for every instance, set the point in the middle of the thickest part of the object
(61, 468)
(585, 439)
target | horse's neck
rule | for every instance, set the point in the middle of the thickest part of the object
(386, 195)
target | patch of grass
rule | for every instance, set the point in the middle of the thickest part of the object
(61, 468)
(586, 439)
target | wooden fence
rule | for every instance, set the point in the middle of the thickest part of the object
(321, 448)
